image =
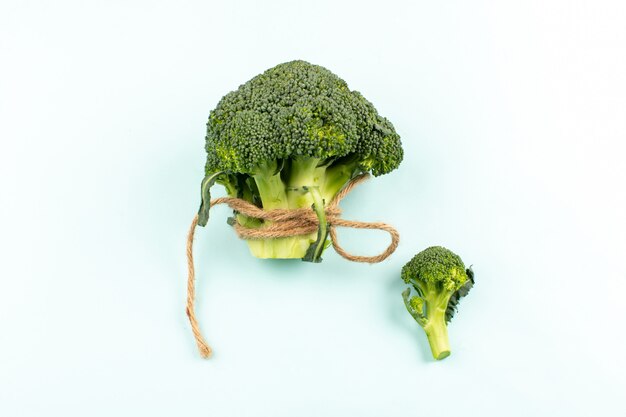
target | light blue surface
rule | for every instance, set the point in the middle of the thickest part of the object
(512, 118)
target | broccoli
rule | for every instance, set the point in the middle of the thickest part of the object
(289, 138)
(440, 279)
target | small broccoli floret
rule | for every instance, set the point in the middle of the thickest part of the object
(440, 279)
(292, 137)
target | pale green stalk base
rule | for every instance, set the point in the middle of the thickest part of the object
(284, 248)
(291, 194)
(433, 320)
(437, 333)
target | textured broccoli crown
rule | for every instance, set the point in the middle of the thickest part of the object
(436, 265)
(298, 109)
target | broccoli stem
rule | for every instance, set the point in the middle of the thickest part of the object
(434, 319)
(274, 196)
(272, 191)
(437, 333)
(286, 190)
(314, 253)
(303, 173)
(337, 176)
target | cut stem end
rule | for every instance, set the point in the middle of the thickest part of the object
(437, 333)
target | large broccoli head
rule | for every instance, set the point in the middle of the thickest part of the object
(290, 138)
(297, 109)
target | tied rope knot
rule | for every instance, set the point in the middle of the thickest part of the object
(285, 223)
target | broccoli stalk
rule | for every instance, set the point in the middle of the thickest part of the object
(290, 138)
(273, 195)
(301, 182)
(440, 279)
(429, 310)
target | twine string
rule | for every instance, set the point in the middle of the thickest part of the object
(285, 223)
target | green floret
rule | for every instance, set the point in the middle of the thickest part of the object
(440, 279)
(292, 137)
(435, 266)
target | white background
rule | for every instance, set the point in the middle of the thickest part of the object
(513, 119)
